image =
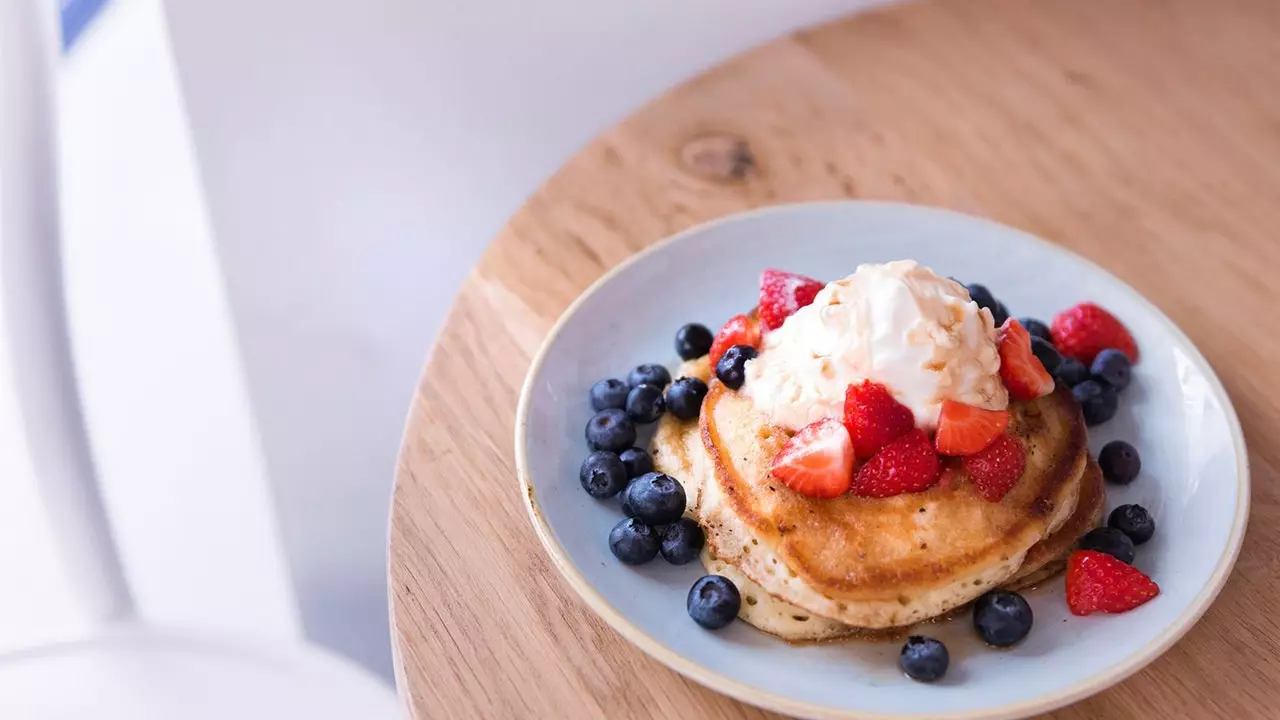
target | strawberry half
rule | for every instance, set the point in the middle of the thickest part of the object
(874, 418)
(1098, 582)
(1085, 330)
(783, 293)
(740, 330)
(817, 461)
(906, 465)
(1023, 374)
(965, 429)
(997, 468)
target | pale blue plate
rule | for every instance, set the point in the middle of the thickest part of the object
(1195, 477)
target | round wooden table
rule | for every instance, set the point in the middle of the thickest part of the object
(1142, 134)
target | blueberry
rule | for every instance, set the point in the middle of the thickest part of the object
(1098, 401)
(1037, 329)
(610, 430)
(1071, 372)
(1134, 521)
(636, 461)
(611, 393)
(602, 474)
(1046, 353)
(651, 374)
(713, 601)
(924, 658)
(1002, 617)
(645, 403)
(1120, 462)
(732, 366)
(1110, 541)
(633, 542)
(624, 498)
(684, 397)
(682, 541)
(1114, 367)
(981, 295)
(693, 341)
(999, 314)
(656, 498)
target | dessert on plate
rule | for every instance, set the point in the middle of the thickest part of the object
(858, 457)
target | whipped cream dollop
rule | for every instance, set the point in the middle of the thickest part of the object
(898, 324)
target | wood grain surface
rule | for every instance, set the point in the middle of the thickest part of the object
(1144, 134)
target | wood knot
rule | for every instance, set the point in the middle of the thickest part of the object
(719, 157)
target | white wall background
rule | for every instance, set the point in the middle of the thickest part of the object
(355, 158)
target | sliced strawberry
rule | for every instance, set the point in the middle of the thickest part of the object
(783, 293)
(1098, 582)
(874, 418)
(1085, 330)
(817, 461)
(906, 465)
(965, 429)
(1022, 372)
(740, 330)
(997, 468)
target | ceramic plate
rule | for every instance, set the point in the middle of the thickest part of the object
(1194, 477)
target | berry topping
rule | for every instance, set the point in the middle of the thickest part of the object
(649, 374)
(965, 430)
(610, 430)
(874, 418)
(1022, 372)
(684, 397)
(633, 542)
(602, 474)
(999, 314)
(923, 658)
(1071, 372)
(1134, 521)
(1046, 353)
(983, 297)
(732, 368)
(783, 293)
(645, 403)
(817, 461)
(740, 330)
(1085, 330)
(1110, 541)
(682, 540)
(693, 341)
(637, 461)
(609, 394)
(1097, 582)
(1002, 617)
(713, 601)
(1036, 328)
(997, 469)
(906, 465)
(1119, 462)
(1114, 367)
(1098, 401)
(655, 498)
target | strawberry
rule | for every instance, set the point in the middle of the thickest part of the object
(817, 461)
(1023, 374)
(1085, 330)
(783, 293)
(874, 418)
(740, 330)
(1097, 582)
(997, 468)
(965, 429)
(906, 465)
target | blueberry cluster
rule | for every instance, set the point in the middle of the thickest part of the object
(1128, 525)
(653, 502)
(1097, 388)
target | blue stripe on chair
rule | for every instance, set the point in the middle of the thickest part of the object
(76, 16)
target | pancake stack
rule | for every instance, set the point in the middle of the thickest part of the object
(820, 569)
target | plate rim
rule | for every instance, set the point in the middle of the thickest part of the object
(1095, 683)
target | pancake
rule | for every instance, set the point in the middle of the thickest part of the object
(878, 563)
(677, 448)
(771, 615)
(1048, 557)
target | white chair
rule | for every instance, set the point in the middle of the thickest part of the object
(151, 595)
